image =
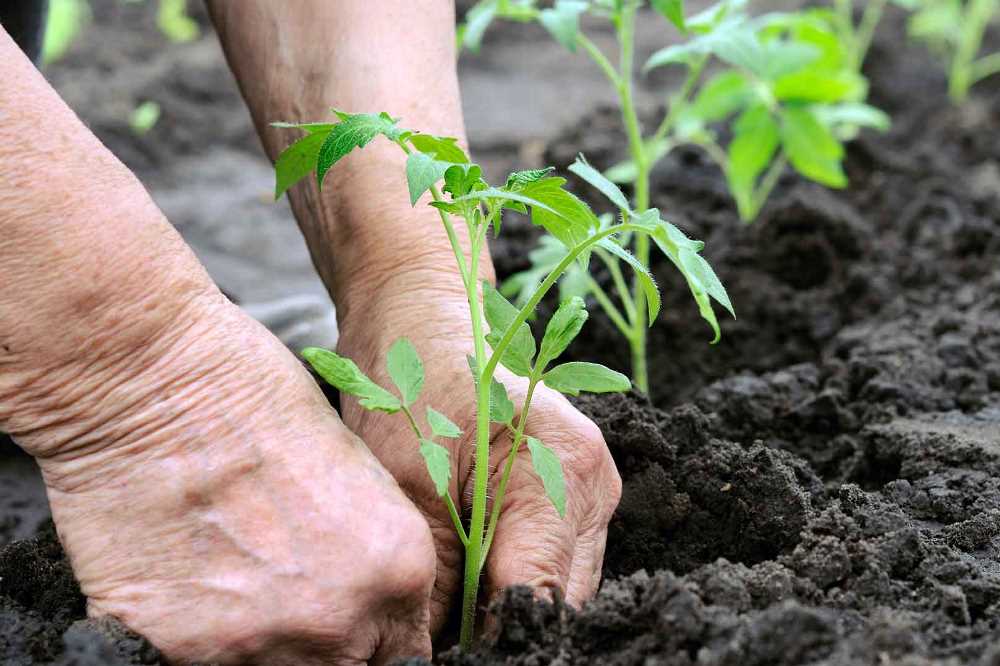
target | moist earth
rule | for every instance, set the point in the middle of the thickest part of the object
(821, 487)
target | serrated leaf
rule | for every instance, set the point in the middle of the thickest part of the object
(614, 194)
(721, 96)
(500, 314)
(438, 463)
(353, 131)
(501, 408)
(441, 425)
(642, 274)
(519, 179)
(562, 329)
(346, 377)
(297, 161)
(572, 378)
(563, 215)
(422, 172)
(444, 148)
(673, 10)
(812, 148)
(406, 370)
(549, 469)
(563, 21)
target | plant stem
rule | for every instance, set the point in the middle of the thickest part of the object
(473, 549)
(502, 488)
(986, 66)
(615, 269)
(637, 341)
(768, 182)
(459, 528)
(866, 31)
(609, 307)
(977, 17)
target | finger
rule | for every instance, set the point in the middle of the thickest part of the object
(533, 546)
(585, 571)
(404, 638)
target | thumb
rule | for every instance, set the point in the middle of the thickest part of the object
(533, 545)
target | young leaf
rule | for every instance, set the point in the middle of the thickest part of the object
(571, 378)
(755, 140)
(549, 469)
(583, 169)
(353, 131)
(406, 370)
(441, 425)
(438, 464)
(642, 274)
(444, 148)
(460, 179)
(501, 408)
(673, 10)
(563, 21)
(297, 161)
(519, 179)
(564, 326)
(500, 314)
(423, 171)
(344, 375)
(812, 148)
(721, 96)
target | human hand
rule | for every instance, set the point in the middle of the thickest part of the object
(209, 497)
(533, 545)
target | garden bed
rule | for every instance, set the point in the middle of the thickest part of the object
(822, 486)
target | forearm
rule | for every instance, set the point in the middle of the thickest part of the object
(89, 269)
(295, 60)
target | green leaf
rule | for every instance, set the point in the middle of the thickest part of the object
(563, 21)
(500, 314)
(501, 408)
(441, 425)
(721, 96)
(549, 469)
(562, 214)
(444, 148)
(344, 375)
(353, 131)
(642, 274)
(422, 172)
(519, 179)
(583, 169)
(572, 378)
(675, 55)
(812, 148)
(755, 140)
(311, 128)
(477, 20)
(460, 179)
(564, 326)
(818, 86)
(438, 464)
(853, 114)
(673, 10)
(406, 370)
(297, 161)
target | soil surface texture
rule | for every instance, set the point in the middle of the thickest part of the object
(821, 487)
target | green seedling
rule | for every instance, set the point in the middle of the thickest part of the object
(783, 87)
(501, 335)
(954, 30)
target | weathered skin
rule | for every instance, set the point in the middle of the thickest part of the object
(206, 493)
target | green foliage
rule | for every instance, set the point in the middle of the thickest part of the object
(549, 470)
(346, 377)
(438, 463)
(563, 21)
(500, 314)
(66, 19)
(406, 370)
(441, 425)
(572, 378)
(144, 117)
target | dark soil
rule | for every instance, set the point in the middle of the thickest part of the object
(822, 487)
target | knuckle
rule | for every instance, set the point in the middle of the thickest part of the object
(408, 567)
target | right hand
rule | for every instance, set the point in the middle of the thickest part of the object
(209, 497)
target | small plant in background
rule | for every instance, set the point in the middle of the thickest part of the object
(787, 91)
(500, 331)
(954, 30)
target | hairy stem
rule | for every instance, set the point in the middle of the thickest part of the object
(509, 465)
(455, 519)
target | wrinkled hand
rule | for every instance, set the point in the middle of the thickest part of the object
(209, 498)
(533, 545)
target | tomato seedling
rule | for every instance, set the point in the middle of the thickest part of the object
(500, 331)
(788, 92)
(954, 30)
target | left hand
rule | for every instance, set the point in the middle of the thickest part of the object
(533, 546)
